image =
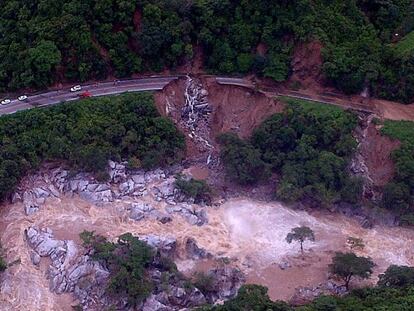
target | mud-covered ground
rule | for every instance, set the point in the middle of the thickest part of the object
(250, 233)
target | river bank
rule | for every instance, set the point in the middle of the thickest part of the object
(248, 233)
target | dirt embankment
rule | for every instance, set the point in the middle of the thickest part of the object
(235, 109)
(170, 103)
(238, 109)
(306, 66)
(376, 150)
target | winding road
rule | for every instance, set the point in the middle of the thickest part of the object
(97, 89)
(386, 109)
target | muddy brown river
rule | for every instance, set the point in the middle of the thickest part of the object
(250, 233)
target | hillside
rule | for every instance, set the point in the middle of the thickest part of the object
(261, 157)
(45, 42)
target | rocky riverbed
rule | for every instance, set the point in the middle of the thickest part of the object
(51, 208)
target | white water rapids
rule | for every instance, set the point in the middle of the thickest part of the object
(250, 232)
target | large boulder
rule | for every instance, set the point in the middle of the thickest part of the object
(167, 246)
(152, 304)
(194, 252)
(31, 205)
(68, 267)
(194, 216)
(178, 296)
(42, 241)
(140, 211)
(226, 283)
(116, 171)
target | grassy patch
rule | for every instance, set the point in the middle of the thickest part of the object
(406, 45)
(313, 107)
(399, 194)
(401, 130)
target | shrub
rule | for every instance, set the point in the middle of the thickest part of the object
(242, 162)
(397, 276)
(204, 282)
(199, 190)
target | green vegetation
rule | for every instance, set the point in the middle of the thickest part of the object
(3, 263)
(255, 298)
(250, 298)
(397, 276)
(399, 194)
(300, 234)
(348, 265)
(204, 282)
(127, 261)
(86, 134)
(309, 145)
(313, 107)
(44, 41)
(193, 188)
(367, 299)
(242, 161)
(406, 45)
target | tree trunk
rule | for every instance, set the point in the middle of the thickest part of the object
(347, 280)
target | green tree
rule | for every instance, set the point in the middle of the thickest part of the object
(252, 298)
(348, 265)
(199, 190)
(397, 276)
(242, 162)
(40, 63)
(3, 263)
(300, 234)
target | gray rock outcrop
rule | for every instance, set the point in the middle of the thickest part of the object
(140, 211)
(194, 252)
(68, 268)
(193, 215)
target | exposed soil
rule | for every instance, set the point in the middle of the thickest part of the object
(169, 103)
(235, 109)
(394, 111)
(376, 150)
(239, 109)
(306, 66)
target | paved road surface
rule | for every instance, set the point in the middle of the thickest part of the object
(154, 84)
(100, 89)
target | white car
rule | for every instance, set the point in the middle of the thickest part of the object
(76, 88)
(5, 101)
(22, 98)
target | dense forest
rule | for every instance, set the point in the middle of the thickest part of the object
(308, 145)
(87, 134)
(43, 42)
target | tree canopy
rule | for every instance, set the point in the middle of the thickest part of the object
(300, 234)
(128, 261)
(309, 146)
(397, 276)
(86, 134)
(44, 42)
(348, 265)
